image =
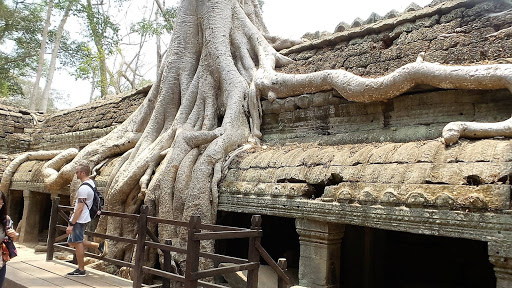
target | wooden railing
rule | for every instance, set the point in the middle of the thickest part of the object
(196, 232)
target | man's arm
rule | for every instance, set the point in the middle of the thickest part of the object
(76, 214)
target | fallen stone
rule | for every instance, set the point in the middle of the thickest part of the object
(40, 248)
(267, 278)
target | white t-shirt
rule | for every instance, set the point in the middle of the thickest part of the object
(85, 192)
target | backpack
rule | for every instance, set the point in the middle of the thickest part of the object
(97, 201)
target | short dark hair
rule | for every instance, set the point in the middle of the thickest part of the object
(84, 168)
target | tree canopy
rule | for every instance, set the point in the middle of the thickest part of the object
(107, 51)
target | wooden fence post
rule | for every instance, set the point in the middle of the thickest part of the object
(166, 282)
(139, 252)
(253, 255)
(193, 247)
(52, 230)
(283, 265)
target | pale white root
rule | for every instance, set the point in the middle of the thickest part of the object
(13, 166)
(97, 168)
(359, 89)
(51, 168)
(453, 131)
(279, 43)
(233, 154)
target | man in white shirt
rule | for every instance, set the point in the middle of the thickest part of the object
(80, 218)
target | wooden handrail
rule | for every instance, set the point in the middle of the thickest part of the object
(223, 270)
(63, 215)
(219, 228)
(192, 276)
(164, 274)
(104, 212)
(111, 237)
(227, 235)
(209, 285)
(164, 247)
(273, 264)
(167, 221)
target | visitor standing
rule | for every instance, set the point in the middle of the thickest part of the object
(80, 218)
(5, 230)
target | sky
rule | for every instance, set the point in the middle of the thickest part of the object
(286, 18)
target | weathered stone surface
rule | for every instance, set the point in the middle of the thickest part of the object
(402, 37)
(375, 165)
(465, 223)
(472, 174)
(289, 190)
(425, 195)
(418, 116)
(82, 125)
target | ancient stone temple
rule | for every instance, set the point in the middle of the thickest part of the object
(352, 194)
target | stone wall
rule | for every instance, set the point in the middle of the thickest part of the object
(453, 32)
(80, 126)
(17, 124)
(329, 119)
(15, 132)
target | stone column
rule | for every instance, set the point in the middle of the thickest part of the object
(15, 202)
(500, 255)
(32, 211)
(320, 253)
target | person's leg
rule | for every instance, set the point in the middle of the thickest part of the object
(75, 240)
(2, 275)
(89, 244)
(79, 252)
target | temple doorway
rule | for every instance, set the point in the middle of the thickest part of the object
(381, 258)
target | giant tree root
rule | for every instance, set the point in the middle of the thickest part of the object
(358, 89)
(456, 130)
(13, 166)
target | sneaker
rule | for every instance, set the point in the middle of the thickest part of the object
(102, 248)
(76, 272)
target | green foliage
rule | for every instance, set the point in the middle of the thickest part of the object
(100, 27)
(20, 29)
(147, 27)
(21, 25)
(58, 100)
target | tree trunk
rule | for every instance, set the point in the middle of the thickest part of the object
(49, 78)
(40, 63)
(97, 36)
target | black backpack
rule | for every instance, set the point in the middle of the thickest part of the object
(97, 201)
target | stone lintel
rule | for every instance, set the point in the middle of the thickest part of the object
(480, 226)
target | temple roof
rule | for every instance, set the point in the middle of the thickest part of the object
(471, 174)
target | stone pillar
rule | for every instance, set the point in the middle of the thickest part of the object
(32, 211)
(15, 202)
(500, 255)
(320, 253)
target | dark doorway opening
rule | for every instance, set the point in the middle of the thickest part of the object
(15, 206)
(280, 238)
(382, 258)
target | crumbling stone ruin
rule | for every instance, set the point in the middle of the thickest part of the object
(351, 193)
